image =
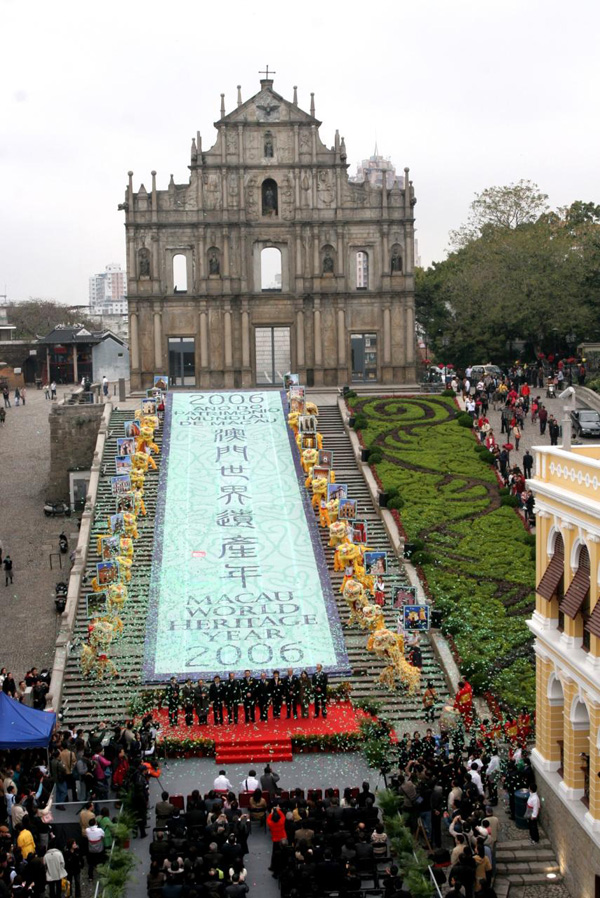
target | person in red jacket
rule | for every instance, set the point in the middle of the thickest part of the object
(463, 703)
(276, 824)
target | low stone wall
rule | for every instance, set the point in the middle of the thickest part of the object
(65, 633)
(73, 434)
(577, 852)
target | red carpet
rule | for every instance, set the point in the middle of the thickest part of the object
(269, 741)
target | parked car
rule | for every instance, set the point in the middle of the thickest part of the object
(586, 423)
(478, 372)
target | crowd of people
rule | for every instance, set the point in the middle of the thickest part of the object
(255, 695)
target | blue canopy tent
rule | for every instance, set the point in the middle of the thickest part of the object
(23, 727)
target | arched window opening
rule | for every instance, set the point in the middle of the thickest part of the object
(551, 585)
(144, 262)
(328, 265)
(270, 270)
(577, 596)
(362, 270)
(396, 259)
(269, 197)
(180, 284)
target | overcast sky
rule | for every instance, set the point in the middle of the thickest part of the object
(468, 93)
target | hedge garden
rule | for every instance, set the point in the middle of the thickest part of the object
(477, 558)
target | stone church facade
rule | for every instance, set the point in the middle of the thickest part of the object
(337, 304)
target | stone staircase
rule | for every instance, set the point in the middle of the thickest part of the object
(87, 702)
(366, 667)
(520, 864)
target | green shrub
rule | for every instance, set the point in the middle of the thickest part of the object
(361, 422)
(375, 456)
(447, 392)
(396, 503)
(480, 447)
(422, 557)
(487, 457)
(529, 539)
(392, 492)
(510, 501)
(351, 394)
(465, 421)
(504, 491)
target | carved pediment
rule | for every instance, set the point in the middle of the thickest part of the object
(267, 106)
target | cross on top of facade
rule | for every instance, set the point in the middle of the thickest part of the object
(267, 73)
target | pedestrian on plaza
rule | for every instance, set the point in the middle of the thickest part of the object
(74, 865)
(304, 693)
(277, 690)
(2, 416)
(269, 780)
(553, 430)
(292, 693)
(95, 846)
(105, 385)
(232, 698)
(6, 397)
(201, 702)
(320, 682)
(54, 865)
(527, 464)
(17, 397)
(263, 695)
(23, 394)
(428, 699)
(172, 697)
(543, 418)
(516, 433)
(46, 389)
(187, 700)
(532, 814)
(8, 569)
(53, 390)
(249, 697)
(217, 697)
(9, 687)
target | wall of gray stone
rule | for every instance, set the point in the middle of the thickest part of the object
(577, 853)
(73, 434)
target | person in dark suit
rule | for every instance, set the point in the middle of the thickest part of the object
(217, 696)
(232, 698)
(319, 684)
(172, 697)
(201, 702)
(277, 691)
(248, 690)
(292, 694)
(263, 694)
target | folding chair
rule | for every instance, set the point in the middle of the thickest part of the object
(177, 801)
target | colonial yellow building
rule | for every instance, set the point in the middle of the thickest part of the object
(566, 626)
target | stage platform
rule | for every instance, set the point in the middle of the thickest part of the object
(261, 742)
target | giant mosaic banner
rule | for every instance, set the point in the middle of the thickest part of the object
(239, 579)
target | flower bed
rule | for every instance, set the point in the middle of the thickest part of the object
(477, 560)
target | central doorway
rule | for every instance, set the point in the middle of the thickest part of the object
(364, 357)
(272, 353)
(182, 361)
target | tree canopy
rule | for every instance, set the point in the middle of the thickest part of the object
(37, 317)
(524, 279)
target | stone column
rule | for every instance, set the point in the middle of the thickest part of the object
(158, 340)
(387, 335)
(300, 359)
(75, 366)
(316, 253)
(135, 346)
(549, 713)
(341, 338)
(341, 261)
(203, 335)
(594, 751)
(318, 335)
(227, 334)
(245, 335)
(410, 335)
(576, 742)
